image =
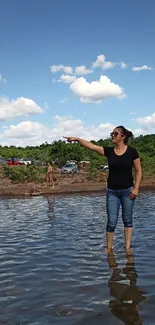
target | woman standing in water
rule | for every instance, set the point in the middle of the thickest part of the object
(121, 190)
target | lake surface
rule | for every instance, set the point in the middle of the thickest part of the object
(53, 267)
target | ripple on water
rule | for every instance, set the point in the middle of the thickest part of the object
(53, 266)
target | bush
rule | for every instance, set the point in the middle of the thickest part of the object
(92, 172)
(148, 165)
(24, 173)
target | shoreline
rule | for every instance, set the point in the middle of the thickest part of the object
(29, 190)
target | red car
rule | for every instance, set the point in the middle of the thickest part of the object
(14, 162)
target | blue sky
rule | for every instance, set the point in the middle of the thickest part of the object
(112, 43)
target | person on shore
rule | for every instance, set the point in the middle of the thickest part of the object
(49, 175)
(121, 190)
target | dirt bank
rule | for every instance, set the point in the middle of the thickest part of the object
(67, 185)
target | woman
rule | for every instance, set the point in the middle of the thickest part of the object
(120, 187)
(49, 175)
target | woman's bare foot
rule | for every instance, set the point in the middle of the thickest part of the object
(129, 251)
(130, 260)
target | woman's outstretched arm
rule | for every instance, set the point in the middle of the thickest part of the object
(86, 144)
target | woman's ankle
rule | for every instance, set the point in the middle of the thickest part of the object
(129, 251)
(109, 250)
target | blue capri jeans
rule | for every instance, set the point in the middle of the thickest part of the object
(115, 199)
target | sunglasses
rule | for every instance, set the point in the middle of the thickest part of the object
(115, 133)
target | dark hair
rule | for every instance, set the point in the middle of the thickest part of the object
(128, 134)
(49, 162)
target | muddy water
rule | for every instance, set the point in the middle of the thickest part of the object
(53, 269)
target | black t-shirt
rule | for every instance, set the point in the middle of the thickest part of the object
(120, 167)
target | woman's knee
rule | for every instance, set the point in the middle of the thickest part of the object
(127, 220)
(111, 226)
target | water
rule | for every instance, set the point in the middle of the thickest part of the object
(53, 269)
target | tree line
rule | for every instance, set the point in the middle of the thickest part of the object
(60, 152)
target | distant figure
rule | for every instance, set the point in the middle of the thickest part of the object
(121, 189)
(49, 176)
(13, 160)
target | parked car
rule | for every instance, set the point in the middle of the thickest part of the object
(14, 162)
(43, 163)
(3, 161)
(26, 161)
(69, 168)
(36, 162)
(103, 167)
(71, 162)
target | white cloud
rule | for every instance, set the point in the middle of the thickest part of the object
(2, 80)
(138, 132)
(101, 62)
(25, 130)
(134, 113)
(144, 67)
(82, 70)
(34, 133)
(46, 106)
(57, 68)
(89, 100)
(67, 79)
(123, 65)
(67, 126)
(63, 100)
(62, 118)
(108, 65)
(147, 122)
(19, 107)
(96, 91)
(56, 117)
(122, 96)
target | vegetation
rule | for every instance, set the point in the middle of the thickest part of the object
(24, 173)
(60, 152)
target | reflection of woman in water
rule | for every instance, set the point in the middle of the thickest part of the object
(51, 207)
(125, 306)
(120, 190)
